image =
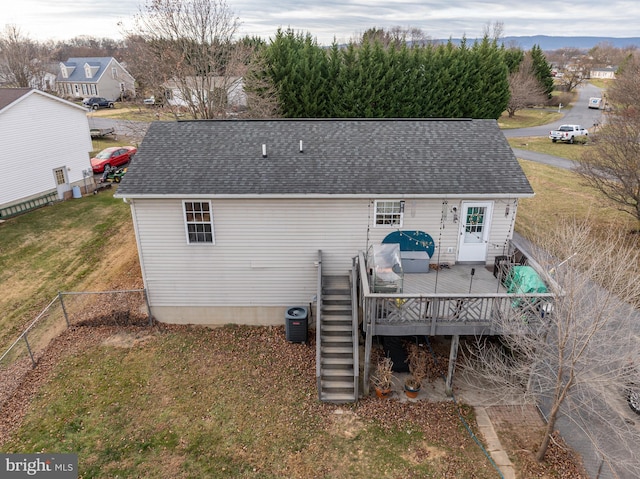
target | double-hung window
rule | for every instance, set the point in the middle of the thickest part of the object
(198, 221)
(389, 213)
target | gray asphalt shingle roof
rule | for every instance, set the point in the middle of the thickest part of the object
(78, 74)
(9, 95)
(340, 157)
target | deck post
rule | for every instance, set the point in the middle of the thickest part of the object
(453, 355)
(368, 343)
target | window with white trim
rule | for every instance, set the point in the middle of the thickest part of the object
(389, 213)
(198, 221)
(59, 175)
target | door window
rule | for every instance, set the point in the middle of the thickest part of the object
(474, 224)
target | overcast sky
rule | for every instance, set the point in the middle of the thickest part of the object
(345, 19)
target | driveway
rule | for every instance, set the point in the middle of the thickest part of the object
(579, 114)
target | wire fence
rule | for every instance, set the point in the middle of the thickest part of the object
(69, 309)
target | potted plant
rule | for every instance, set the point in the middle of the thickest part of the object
(417, 359)
(383, 377)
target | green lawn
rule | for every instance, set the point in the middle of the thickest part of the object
(545, 145)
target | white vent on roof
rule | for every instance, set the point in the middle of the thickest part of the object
(301, 150)
(264, 150)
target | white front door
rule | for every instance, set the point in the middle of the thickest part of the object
(474, 231)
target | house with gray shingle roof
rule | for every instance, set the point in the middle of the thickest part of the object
(230, 215)
(45, 144)
(82, 77)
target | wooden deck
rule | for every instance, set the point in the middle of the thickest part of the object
(456, 279)
(447, 301)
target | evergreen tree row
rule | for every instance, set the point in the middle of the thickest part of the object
(370, 80)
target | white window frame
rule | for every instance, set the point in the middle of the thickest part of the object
(60, 176)
(198, 220)
(388, 214)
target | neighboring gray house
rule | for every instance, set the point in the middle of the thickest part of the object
(45, 144)
(230, 215)
(94, 76)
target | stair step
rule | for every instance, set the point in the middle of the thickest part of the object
(331, 350)
(336, 323)
(337, 342)
(335, 292)
(330, 362)
(337, 327)
(338, 398)
(346, 314)
(344, 375)
(336, 385)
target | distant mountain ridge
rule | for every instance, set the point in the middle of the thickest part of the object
(546, 42)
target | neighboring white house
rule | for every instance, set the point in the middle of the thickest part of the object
(180, 93)
(94, 76)
(45, 144)
(608, 73)
(230, 215)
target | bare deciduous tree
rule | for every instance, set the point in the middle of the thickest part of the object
(23, 61)
(612, 164)
(524, 88)
(574, 359)
(624, 93)
(192, 48)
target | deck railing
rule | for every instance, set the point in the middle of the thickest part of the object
(434, 314)
(318, 328)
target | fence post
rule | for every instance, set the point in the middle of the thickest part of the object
(33, 361)
(64, 310)
(146, 300)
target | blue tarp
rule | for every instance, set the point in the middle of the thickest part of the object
(524, 279)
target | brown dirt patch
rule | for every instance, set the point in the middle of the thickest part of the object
(126, 339)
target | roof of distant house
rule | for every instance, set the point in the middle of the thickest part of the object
(9, 96)
(98, 66)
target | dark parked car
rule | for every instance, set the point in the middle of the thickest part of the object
(113, 156)
(96, 102)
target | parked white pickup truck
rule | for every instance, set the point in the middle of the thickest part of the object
(567, 133)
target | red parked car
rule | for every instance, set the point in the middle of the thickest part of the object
(113, 156)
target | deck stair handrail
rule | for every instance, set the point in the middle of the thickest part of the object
(318, 326)
(353, 279)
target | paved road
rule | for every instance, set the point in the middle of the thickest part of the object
(578, 114)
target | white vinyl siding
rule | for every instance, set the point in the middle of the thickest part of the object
(266, 250)
(38, 134)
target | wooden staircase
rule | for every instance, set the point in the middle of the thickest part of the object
(338, 359)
